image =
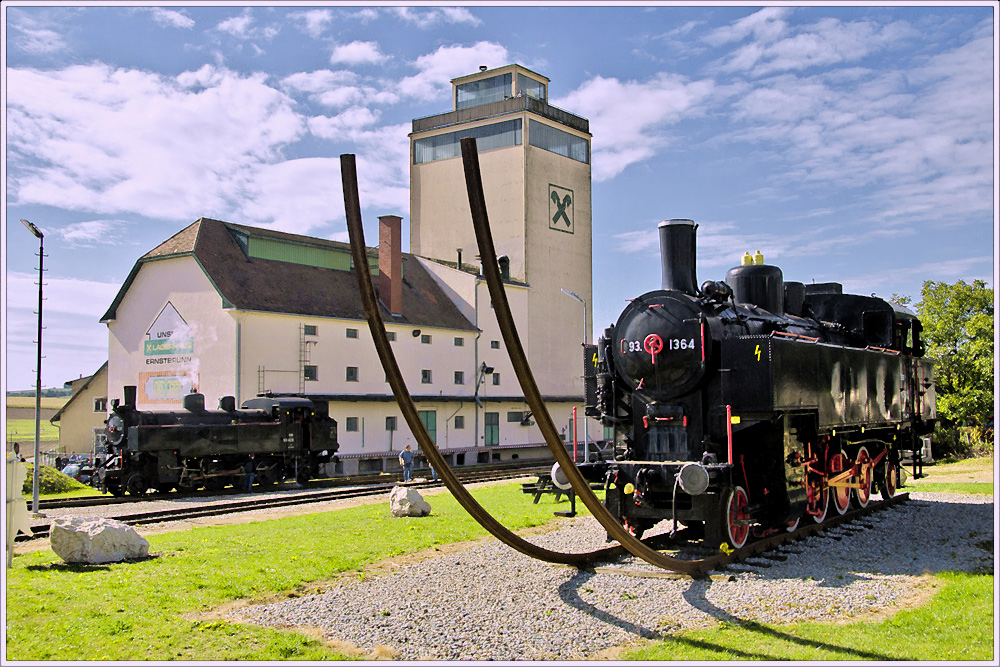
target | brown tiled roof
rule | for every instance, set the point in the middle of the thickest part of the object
(248, 283)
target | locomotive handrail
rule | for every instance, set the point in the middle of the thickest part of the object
(532, 396)
(811, 339)
(355, 229)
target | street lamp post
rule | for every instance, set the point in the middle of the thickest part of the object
(38, 369)
(586, 438)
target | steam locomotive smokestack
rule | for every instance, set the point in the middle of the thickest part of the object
(677, 255)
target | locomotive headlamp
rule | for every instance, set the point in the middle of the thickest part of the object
(693, 479)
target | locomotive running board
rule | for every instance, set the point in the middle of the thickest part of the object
(532, 396)
(348, 169)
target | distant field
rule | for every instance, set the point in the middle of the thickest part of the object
(48, 402)
(23, 431)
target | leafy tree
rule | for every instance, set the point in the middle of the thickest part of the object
(958, 333)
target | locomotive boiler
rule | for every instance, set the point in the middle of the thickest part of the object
(288, 436)
(740, 407)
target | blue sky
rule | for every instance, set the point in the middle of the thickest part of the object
(850, 143)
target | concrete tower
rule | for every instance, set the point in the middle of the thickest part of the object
(535, 161)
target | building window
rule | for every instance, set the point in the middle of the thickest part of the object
(515, 416)
(459, 377)
(496, 378)
(531, 87)
(494, 344)
(390, 423)
(447, 145)
(459, 341)
(101, 404)
(425, 376)
(352, 424)
(492, 429)
(484, 91)
(310, 373)
(609, 433)
(391, 335)
(352, 373)
(556, 141)
(459, 421)
(425, 339)
(310, 329)
(352, 333)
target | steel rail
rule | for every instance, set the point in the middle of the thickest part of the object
(352, 206)
(532, 396)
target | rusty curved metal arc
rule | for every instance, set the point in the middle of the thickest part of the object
(532, 396)
(352, 207)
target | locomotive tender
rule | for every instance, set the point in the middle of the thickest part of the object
(742, 407)
(288, 436)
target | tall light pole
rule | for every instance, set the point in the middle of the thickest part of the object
(38, 369)
(586, 438)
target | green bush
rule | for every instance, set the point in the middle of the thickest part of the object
(50, 481)
(961, 442)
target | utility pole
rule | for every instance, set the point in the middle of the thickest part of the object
(38, 369)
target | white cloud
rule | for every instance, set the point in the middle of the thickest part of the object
(171, 18)
(92, 233)
(94, 138)
(628, 119)
(314, 21)
(68, 296)
(424, 18)
(765, 25)
(32, 34)
(357, 53)
(237, 26)
(437, 69)
(338, 89)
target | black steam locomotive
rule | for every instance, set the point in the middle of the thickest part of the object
(289, 437)
(742, 407)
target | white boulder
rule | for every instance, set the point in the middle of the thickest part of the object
(406, 501)
(78, 539)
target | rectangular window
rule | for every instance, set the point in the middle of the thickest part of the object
(309, 329)
(496, 378)
(391, 335)
(459, 377)
(609, 433)
(352, 373)
(429, 419)
(515, 416)
(310, 373)
(352, 333)
(390, 423)
(494, 345)
(484, 91)
(352, 424)
(556, 141)
(101, 404)
(488, 137)
(459, 422)
(425, 339)
(531, 87)
(459, 341)
(492, 429)
(425, 376)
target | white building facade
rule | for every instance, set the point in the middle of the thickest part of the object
(229, 310)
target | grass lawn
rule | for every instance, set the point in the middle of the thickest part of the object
(136, 611)
(147, 610)
(957, 624)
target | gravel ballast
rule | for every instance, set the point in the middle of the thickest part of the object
(490, 602)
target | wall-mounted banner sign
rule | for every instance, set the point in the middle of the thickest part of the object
(561, 209)
(169, 335)
(166, 386)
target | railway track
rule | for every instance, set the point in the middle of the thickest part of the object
(477, 474)
(181, 514)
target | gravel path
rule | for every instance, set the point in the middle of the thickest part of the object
(492, 603)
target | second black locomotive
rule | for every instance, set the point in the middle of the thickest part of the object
(744, 406)
(288, 436)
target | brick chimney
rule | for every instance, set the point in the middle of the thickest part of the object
(390, 262)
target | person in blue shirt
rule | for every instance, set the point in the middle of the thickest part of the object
(406, 460)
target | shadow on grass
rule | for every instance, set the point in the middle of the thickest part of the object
(88, 567)
(695, 595)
